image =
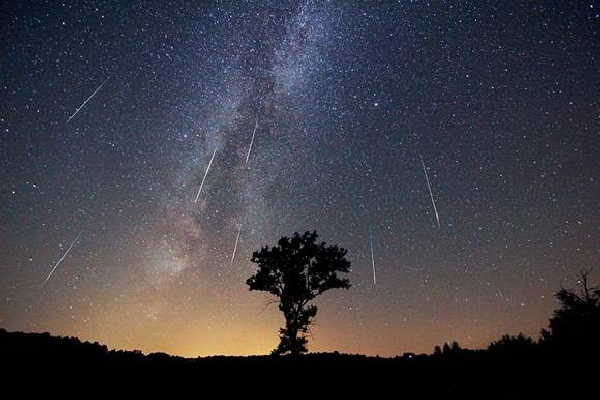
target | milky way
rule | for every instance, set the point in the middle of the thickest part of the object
(180, 139)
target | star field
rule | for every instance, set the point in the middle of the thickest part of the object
(501, 101)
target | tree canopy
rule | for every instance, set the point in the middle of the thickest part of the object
(576, 324)
(297, 270)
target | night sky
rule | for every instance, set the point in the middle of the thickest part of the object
(111, 112)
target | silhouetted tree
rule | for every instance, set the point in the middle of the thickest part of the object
(296, 271)
(455, 348)
(510, 346)
(576, 324)
(445, 349)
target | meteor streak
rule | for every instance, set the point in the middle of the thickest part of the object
(237, 238)
(205, 173)
(62, 258)
(88, 99)
(372, 256)
(252, 141)
(437, 217)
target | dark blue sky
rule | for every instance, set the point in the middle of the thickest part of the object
(500, 99)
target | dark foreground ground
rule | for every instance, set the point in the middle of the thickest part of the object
(477, 374)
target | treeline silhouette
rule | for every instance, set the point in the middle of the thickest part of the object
(511, 367)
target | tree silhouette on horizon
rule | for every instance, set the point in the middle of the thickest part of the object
(575, 326)
(296, 271)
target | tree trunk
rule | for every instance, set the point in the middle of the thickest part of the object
(292, 331)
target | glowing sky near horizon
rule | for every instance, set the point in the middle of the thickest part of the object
(112, 111)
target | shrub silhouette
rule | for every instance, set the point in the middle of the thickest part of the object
(296, 271)
(513, 346)
(575, 326)
(446, 349)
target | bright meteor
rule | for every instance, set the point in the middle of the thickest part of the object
(252, 141)
(437, 217)
(237, 238)
(372, 256)
(88, 99)
(62, 258)
(205, 174)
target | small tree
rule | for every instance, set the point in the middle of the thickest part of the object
(576, 324)
(297, 270)
(512, 345)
